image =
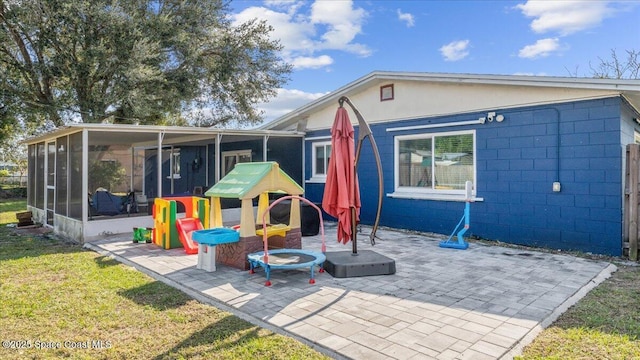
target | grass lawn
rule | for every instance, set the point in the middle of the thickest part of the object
(605, 324)
(75, 303)
(55, 292)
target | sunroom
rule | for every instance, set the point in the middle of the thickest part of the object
(73, 169)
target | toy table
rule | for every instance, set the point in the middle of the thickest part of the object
(207, 241)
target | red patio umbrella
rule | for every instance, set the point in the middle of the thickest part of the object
(341, 197)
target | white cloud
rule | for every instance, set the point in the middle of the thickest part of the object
(541, 48)
(294, 35)
(286, 101)
(306, 62)
(455, 50)
(306, 31)
(406, 17)
(343, 23)
(529, 74)
(565, 17)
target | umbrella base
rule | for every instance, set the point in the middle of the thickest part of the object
(343, 264)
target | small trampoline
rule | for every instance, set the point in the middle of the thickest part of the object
(287, 258)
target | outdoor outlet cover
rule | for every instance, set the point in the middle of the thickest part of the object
(556, 186)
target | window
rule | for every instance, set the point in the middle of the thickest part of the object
(231, 158)
(175, 163)
(320, 160)
(386, 92)
(435, 163)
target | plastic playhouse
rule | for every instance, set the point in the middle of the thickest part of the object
(171, 232)
(246, 182)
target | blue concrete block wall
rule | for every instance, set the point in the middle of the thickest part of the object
(517, 162)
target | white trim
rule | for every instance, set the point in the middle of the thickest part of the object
(265, 149)
(318, 138)
(237, 154)
(434, 126)
(159, 165)
(161, 129)
(431, 196)
(218, 160)
(316, 180)
(85, 176)
(427, 193)
(315, 177)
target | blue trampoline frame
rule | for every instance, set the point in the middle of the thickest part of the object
(256, 260)
(261, 258)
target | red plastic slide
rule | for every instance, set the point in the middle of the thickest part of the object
(185, 227)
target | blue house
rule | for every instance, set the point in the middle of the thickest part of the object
(546, 155)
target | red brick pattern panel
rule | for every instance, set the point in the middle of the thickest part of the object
(235, 254)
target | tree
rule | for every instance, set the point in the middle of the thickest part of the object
(616, 68)
(14, 152)
(133, 61)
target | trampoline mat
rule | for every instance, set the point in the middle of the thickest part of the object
(289, 258)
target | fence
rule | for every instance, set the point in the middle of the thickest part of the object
(631, 202)
(13, 180)
(451, 177)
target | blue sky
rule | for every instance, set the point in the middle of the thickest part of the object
(333, 42)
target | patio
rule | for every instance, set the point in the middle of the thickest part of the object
(486, 302)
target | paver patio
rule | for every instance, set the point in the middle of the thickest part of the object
(486, 302)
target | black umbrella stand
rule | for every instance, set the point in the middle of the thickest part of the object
(342, 264)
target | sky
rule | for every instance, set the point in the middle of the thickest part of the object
(331, 43)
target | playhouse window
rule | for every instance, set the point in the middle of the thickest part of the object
(435, 163)
(320, 155)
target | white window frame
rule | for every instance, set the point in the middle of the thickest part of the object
(315, 177)
(414, 192)
(237, 154)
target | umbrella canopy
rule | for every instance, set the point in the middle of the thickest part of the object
(341, 192)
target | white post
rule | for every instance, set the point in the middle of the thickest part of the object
(85, 176)
(159, 170)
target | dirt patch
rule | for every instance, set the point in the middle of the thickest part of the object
(34, 230)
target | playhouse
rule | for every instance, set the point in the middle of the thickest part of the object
(172, 232)
(246, 182)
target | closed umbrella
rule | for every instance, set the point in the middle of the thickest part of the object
(341, 197)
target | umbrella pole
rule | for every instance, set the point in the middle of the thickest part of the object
(354, 228)
(363, 132)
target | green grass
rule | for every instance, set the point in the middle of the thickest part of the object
(54, 292)
(9, 208)
(605, 324)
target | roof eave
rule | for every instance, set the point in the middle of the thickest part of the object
(507, 80)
